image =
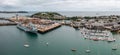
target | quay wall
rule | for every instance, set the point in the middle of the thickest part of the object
(7, 24)
(45, 31)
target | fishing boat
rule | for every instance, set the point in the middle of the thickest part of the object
(27, 27)
(114, 47)
(76, 25)
(26, 45)
(47, 43)
(101, 38)
(88, 48)
(73, 49)
(110, 39)
(95, 39)
(87, 51)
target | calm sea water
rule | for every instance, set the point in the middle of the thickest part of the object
(60, 40)
(90, 13)
(66, 13)
(9, 15)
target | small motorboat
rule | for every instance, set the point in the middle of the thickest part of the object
(88, 51)
(110, 39)
(114, 47)
(73, 49)
(86, 37)
(100, 38)
(95, 39)
(26, 45)
(47, 43)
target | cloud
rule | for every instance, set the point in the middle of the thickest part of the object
(61, 5)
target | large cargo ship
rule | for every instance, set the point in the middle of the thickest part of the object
(27, 27)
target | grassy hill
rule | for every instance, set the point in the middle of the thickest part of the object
(47, 15)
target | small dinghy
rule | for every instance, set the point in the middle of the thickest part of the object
(73, 49)
(114, 47)
(26, 45)
(47, 43)
(88, 51)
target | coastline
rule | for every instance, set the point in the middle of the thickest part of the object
(14, 12)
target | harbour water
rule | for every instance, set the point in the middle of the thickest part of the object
(61, 41)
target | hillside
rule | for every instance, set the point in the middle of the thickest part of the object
(48, 15)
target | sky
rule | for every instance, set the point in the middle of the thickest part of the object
(59, 5)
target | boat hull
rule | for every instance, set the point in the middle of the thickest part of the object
(26, 29)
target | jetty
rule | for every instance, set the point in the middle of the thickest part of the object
(6, 22)
(42, 25)
(48, 28)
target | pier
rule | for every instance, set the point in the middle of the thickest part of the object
(48, 28)
(42, 25)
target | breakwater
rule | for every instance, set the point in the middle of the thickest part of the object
(47, 29)
(6, 22)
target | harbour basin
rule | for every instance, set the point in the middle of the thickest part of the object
(60, 40)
